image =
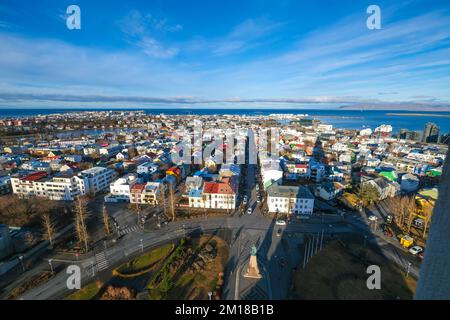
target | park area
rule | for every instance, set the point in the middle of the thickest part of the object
(338, 272)
(188, 269)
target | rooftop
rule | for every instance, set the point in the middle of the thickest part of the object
(289, 191)
(35, 176)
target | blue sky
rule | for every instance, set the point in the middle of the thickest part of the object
(258, 54)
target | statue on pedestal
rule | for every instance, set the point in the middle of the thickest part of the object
(252, 267)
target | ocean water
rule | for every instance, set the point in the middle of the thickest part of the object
(351, 119)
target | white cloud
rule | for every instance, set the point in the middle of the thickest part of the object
(141, 28)
(155, 49)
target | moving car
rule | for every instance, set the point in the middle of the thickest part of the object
(279, 232)
(280, 222)
(373, 218)
(415, 250)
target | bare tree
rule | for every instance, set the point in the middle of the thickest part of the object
(131, 152)
(105, 218)
(163, 199)
(81, 216)
(404, 210)
(172, 200)
(49, 228)
(427, 212)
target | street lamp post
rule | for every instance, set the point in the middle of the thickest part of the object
(321, 240)
(51, 265)
(21, 262)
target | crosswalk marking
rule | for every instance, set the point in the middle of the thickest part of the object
(102, 262)
(127, 230)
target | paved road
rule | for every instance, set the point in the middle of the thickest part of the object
(131, 244)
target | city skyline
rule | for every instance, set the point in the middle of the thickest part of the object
(202, 55)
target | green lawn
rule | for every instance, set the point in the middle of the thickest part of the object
(145, 260)
(87, 292)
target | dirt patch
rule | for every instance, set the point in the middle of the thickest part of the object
(339, 272)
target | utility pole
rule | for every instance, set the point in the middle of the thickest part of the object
(408, 269)
(304, 254)
(317, 242)
(321, 240)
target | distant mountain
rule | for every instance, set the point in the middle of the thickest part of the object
(397, 107)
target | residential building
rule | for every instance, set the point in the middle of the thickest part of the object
(290, 199)
(146, 193)
(120, 189)
(330, 190)
(147, 168)
(62, 186)
(409, 183)
(430, 133)
(5, 185)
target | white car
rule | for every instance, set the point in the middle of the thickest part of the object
(280, 223)
(373, 218)
(249, 211)
(415, 250)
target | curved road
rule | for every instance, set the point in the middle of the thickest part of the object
(135, 242)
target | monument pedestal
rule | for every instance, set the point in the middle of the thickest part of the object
(252, 267)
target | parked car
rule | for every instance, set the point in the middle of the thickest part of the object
(257, 187)
(280, 222)
(244, 201)
(387, 231)
(415, 250)
(249, 211)
(421, 255)
(279, 232)
(373, 218)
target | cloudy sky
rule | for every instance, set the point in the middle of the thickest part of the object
(233, 54)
